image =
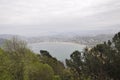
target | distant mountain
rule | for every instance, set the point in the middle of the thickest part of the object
(89, 40)
(4, 37)
(10, 36)
(2, 41)
(74, 38)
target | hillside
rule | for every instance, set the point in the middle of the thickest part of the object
(86, 40)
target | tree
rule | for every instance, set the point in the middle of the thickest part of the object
(102, 62)
(56, 65)
(39, 71)
(75, 64)
(4, 66)
(15, 50)
(67, 75)
(20, 63)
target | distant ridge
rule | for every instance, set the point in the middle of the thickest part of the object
(73, 38)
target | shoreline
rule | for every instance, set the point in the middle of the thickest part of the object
(67, 43)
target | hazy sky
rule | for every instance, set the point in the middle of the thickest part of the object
(42, 17)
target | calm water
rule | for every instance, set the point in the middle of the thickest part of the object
(59, 50)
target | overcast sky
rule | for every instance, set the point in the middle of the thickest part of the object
(43, 17)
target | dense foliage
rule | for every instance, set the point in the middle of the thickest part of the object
(102, 62)
(17, 62)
